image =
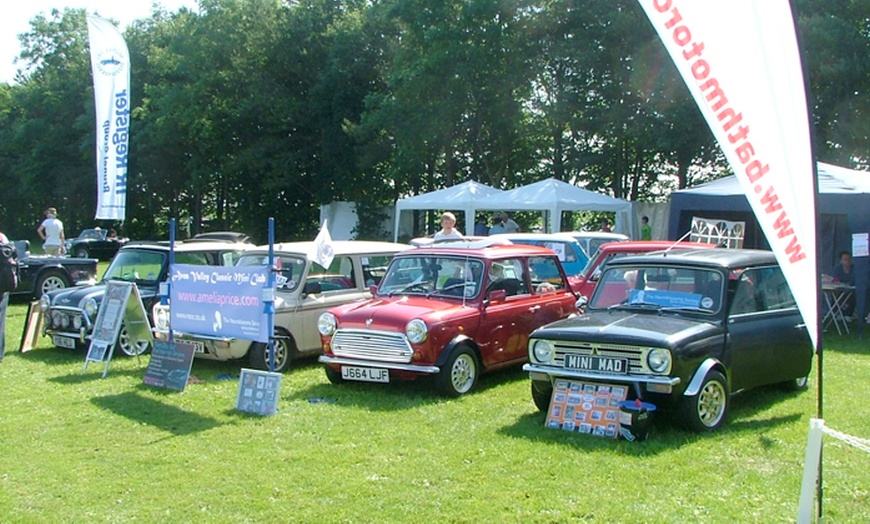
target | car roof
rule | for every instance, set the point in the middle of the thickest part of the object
(184, 247)
(482, 250)
(644, 246)
(720, 257)
(543, 237)
(598, 234)
(339, 247)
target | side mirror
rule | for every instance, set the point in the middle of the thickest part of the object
(497, 296)
(373, 289)
(581, 302)
(312, 288)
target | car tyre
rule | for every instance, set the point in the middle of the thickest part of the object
(49, 281)
(542, 392)
(706, 410)
(129, 347)
(333, 376)
(81, 252)
(285, 348)
(797, 384)
(459, 375)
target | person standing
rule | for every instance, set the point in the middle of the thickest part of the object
(497, 226)
(51, 231)
(480, 227)
(4, 302)
(448, 227)
(645, 228)
(509, 225)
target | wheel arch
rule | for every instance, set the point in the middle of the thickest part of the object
(698, 378)
(455, 342)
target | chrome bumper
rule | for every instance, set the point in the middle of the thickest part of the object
(427, 370)
(600, 377)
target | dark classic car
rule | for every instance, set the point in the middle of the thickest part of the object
(94, 243)
(682, 330)
(69, 314)
(447, 312)
(39, 274)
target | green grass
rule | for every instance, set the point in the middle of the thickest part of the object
(75, 447)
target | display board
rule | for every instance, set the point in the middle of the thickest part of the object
(586, 408)
(32, 327)
(258, 392)
(170, 365)
(121, 305)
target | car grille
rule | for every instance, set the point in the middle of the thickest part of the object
(372, 345)
(64, 319)
(634, 354)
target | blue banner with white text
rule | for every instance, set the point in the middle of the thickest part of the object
(219, 301)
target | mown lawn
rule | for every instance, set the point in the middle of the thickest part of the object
(75, 447)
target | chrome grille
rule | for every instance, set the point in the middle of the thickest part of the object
(635, 355)
(373, 345)
(63, 318)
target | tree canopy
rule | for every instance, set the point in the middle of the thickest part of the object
(249, 109)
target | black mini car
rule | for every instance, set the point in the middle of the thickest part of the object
(681, 330)
(39, 274)
(94, 243)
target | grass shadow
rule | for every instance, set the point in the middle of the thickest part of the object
(170, 419)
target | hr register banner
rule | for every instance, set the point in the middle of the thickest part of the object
(219, 301)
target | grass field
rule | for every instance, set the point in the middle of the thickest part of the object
(75, 447)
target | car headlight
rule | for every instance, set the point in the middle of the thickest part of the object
(160, 314)
(542, 350)
(326, 324)
(77, 322)
(44, 303)
(658, 360)
(90, 308)
(416, 331)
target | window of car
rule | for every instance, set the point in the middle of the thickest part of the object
(289, 271)
(374, 267)
(545, 270)
(508, 275)
(442, 275)
(761, 289)
(668, 287)
(337, 277)
(135, 265)
(193, 259)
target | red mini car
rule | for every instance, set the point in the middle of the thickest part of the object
(448, 312)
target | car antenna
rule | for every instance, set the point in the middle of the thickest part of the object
(672, 246)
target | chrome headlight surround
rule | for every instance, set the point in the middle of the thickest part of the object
(326, 324)
(44, 303)
(541, 350)
(417, 331)
(160, 315)
(658, 360)
(90, 308)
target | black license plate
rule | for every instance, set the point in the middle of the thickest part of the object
(598, 364)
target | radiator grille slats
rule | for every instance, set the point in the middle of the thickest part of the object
(372, 345)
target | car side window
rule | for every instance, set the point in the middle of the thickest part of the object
(508, 275)
(773, 289)
(337, 277)
(193, 259)
(545, 270)
(374, 267)
(745, 300)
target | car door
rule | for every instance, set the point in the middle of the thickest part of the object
(507, 323)
(768, 341)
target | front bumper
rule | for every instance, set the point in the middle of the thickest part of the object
(538, 372)
(343, 361)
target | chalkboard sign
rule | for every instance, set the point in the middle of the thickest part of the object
(258, 392)
(170, 365)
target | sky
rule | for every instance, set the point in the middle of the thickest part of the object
(18, 13)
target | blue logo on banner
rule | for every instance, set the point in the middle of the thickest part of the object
(219, 301)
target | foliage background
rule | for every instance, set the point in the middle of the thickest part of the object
(246, 109)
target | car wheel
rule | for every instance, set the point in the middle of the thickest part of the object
(258, 355)
(129, 347)
(49, 281)
(459, 375)
(706, 411)
(541, 393)
(333, 375)
(81, 252)
(798, 384)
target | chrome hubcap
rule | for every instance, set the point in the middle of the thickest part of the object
(711, 403)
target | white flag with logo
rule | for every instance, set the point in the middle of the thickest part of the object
(323, 252)
(741, 62)
(110, 66)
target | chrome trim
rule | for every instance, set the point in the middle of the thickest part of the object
(695, 384)
(429, 370)
(389, 346)
(598, 377)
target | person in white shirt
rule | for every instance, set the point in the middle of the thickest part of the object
(509, 225)
(51, 231)
(448, 225)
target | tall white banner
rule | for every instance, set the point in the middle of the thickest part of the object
(110, 65)
(741, 62)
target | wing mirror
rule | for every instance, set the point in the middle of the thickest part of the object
(497, 296)
(312, 288)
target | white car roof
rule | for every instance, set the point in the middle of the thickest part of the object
(339, 247)
(598, 234)
(553, 237)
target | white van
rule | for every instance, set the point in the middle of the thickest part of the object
(305, 290)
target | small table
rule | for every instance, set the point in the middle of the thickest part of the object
(836, 298)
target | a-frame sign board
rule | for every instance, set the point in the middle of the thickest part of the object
(121, 305)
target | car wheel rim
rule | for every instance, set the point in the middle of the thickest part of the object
(281, 355)
(130, 348)
(462, 373)
(711, 403)
(52, 283)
